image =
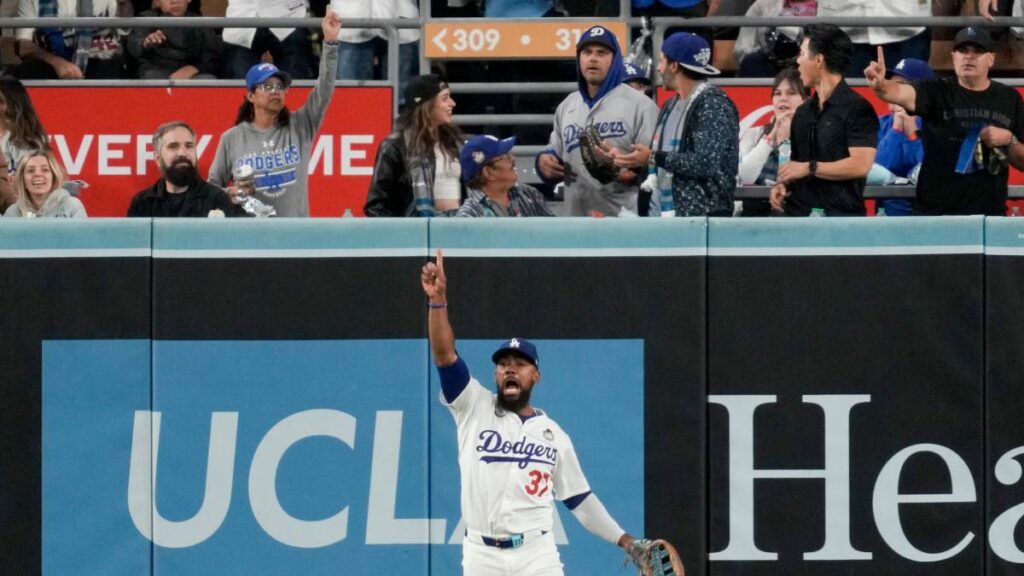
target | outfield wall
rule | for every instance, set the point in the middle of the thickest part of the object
(826, 396)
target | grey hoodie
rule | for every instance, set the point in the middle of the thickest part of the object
(59, 204)
(280, 154)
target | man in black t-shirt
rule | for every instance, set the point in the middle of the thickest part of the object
(970, 131)
(833, 135)
(181, 192)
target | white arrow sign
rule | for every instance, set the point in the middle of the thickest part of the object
(439, 40)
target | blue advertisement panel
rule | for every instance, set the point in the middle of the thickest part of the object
(306, 455)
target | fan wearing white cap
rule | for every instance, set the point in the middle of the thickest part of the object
(492, 185)
(515, 461)
(694, 156)
(971, 129)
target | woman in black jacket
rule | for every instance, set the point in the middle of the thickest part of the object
(417, 170)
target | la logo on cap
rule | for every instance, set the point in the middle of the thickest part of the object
(514, 343)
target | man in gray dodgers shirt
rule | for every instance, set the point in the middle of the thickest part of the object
(622, 116)
(275, 143)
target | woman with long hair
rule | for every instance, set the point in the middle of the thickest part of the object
(764, 148)
(417, 171)
(38, 182)
(21, 132)
(275, 143)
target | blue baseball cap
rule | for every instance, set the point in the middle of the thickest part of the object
(480, 150)
(691, 52)
(520, 346)
(634, 73)
(260, 73)
(912, 69)
(598, 35)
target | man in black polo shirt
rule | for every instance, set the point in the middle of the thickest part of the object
(833, 135)
(181, 192)
(970, 130)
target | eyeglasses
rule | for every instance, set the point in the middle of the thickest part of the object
(273, 88)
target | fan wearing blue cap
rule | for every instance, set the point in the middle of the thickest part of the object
(515, 461)
(693, 158)
(272, 140)
(971, 128)
(900, 150)
(636, 77)
(622, 117)
(489, 171)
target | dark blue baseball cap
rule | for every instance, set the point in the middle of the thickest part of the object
(480, 150)
(520, 346)
(634, 73)
(912, 69)
(260, 73)
(691, 52)
(598, 35)
(977, 36)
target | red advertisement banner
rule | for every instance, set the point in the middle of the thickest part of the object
(103, 136)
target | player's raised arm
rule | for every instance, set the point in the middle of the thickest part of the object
(435, 286)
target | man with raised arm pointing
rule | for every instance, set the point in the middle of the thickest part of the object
(970, 129)
(514, 460)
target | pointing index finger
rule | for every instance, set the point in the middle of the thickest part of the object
(440, 262)
(881, 59)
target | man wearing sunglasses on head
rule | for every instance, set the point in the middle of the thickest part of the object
(970, 129)
(273, 141)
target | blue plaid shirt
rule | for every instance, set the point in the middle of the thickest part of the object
(523, 200)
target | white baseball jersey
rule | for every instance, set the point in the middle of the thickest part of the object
(511, 470)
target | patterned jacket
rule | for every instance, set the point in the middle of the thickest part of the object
(523, 200)
(704, 169)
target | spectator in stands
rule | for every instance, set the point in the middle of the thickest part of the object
(290, 48)
(636, 78)
(763, 52)
(897, 42)
(971, 127)
(833, 135)
(180, 192)
(694, 154)
(275, 142)
(68, 53)
(764, 148)
(21, 132)
(622, 115)
(900, 150)
(175, 53)
(38, 182)
(678, 9)
(417, 170)
(489, 170)
(361, 48)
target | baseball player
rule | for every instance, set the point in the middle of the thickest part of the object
(514, 459)
(622, 115)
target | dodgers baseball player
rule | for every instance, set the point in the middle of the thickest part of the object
(622, 116)
(514, 460)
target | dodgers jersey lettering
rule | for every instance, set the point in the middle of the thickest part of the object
(512, 471)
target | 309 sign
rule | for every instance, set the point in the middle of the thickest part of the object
(509, 39)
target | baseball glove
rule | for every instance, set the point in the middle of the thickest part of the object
(656, 558)
(597, 162)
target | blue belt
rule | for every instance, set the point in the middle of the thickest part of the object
(510, 541)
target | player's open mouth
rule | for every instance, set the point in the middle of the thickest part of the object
(510, 385)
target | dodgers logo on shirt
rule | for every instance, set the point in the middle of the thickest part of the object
(521, 452)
